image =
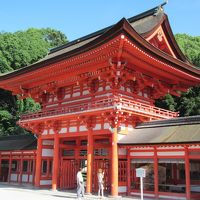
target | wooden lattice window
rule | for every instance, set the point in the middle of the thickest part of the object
(122, 170)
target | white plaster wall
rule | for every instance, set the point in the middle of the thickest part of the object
(73, 129)
(171, 153)
(82, 128)
(106, 126)
(67, 96)
(128, 90)
(24, 178)
(47, 152)
(52, 105)
(171, 197)
(13, 177)
(142, 153)
(48, 142)
(100, 89)
(122, 88)
(51, 131)
(172, 147)
(120, 136)
(76, 94)
(85, 92)
(55, 98)
(63, 130)
(107, 87)
(97, 127)
(122, 152)
(194, 147)
(45, 132)
(122, 189)
(30, 178)
(45, 182)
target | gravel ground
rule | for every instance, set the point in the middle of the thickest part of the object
(15, 192)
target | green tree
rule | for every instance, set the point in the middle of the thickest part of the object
(190, 46)
(189, 102)
(17, 50)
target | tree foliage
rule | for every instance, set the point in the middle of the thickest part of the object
(190, 46)
(189, 102)
(17, 50)
(22, 48)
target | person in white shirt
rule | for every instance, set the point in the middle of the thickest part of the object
(100, 176)
(80, 184)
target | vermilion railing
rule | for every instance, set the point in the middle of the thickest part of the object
(113, 102)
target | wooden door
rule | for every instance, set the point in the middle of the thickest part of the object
(69, 169)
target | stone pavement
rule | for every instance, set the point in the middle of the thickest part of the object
(16, 192)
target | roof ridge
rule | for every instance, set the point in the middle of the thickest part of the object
(146, 13)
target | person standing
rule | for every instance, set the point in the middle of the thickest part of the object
(100, 176)
(80, 184)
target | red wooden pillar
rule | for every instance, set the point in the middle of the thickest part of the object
(10, 168)
(187, 173)
(175, 172)
(0, 166)
(128, 171)
(55, 162)
(38, 162)
(114, 160)
(89, 162)
(34, 166)
(156, 182)
(21, 169)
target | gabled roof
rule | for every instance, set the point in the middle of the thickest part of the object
(143, 23)
(178, 130)
(18, 142)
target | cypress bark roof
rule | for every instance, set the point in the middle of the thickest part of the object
(18, 142)
(178, 130)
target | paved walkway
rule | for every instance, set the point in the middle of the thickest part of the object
(16, 192)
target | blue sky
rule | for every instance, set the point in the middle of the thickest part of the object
(77, 18)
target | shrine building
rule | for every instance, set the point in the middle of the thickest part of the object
(97, 96)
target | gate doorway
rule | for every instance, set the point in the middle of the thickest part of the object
(69, 170)
(4, 170)
(104, 164)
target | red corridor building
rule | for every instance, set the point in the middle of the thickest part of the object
(97, 95)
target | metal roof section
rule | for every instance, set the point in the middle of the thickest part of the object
(18, 142)
(179, 130)
(170, 122)
(131, 20)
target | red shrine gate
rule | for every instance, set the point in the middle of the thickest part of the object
(94, 91)
(74, 155)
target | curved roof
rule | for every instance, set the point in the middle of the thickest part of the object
(136, 28)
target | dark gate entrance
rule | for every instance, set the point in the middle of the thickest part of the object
(4, 170)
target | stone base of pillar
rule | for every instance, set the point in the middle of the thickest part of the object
(115, 197)
(88, 193)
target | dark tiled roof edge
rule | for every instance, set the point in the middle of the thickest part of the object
(170, 122)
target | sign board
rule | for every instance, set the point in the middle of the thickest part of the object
(140, 172)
